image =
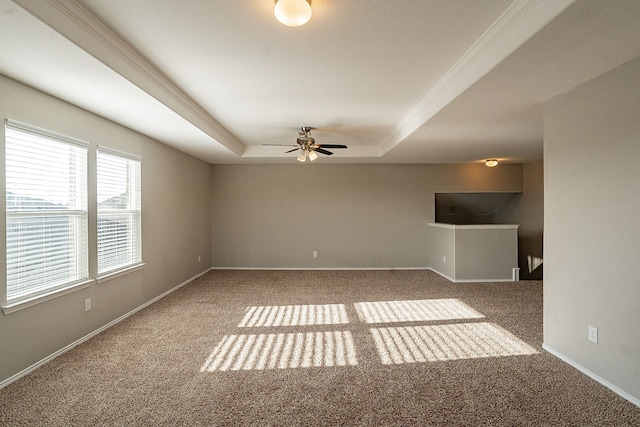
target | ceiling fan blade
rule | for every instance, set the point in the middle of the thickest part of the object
(291, 151)
(332, 146)
(320, 150)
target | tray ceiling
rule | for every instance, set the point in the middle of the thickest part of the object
(398, 81)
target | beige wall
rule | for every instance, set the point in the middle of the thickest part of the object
(474, 253)
(176, 219)
(354, 216)
(592, 227)
(487, 255)
(442, 251)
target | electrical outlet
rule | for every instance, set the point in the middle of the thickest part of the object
(199, 258)
(593, 334)
(444, 259)
(315, 254)
(87, 304)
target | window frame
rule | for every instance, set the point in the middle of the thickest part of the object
(13, 302)
(90, 218)
(136, 263)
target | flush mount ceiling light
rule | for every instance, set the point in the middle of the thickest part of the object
(293, 13)
(491, 163)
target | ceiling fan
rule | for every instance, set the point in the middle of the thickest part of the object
(308, 147)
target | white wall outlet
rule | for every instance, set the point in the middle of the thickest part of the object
(87, 304)
(199, 258)
(315, 254)
(444, 259)
(593, 334)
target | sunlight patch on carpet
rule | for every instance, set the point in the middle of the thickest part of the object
(282, 351)
(294, 315)
(414, 311)
(397, 345)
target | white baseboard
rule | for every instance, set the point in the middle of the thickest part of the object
(94, 333)
(469, 280)
(322, 268)
(362, 269)
(442, 274)
(592, 375)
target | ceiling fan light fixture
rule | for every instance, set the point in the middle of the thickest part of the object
(302, 156)
(293, 13)
(313, 155)
(491, 163)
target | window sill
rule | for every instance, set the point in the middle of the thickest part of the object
(29, 302)
(117, 273)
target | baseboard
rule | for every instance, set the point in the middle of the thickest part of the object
(593, 376)
(322, 268)
(362, 269)
(469, 280)
(442, 274)
(94, 333)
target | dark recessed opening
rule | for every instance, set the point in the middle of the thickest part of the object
(474, 208)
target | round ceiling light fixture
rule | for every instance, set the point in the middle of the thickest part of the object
(293, 13)
(491, 163)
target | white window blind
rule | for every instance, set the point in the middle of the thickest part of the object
(46, 207)
(119, 211)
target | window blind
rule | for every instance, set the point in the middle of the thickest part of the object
(46, 211)
(119, 211)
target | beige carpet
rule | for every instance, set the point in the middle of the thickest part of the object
(351, 348)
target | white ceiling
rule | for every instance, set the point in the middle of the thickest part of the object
(398, 81)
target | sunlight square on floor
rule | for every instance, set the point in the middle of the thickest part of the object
(416, 344)
(282, 351)
(415, 311)
(294, 315)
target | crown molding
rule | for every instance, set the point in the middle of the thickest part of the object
(80, 26)
(518, 23)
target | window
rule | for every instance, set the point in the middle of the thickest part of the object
(119, 213)
(46, 208)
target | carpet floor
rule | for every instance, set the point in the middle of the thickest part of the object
(313, 348)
